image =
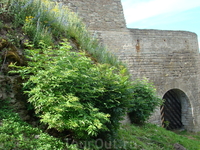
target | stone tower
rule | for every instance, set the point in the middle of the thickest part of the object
(99, 14)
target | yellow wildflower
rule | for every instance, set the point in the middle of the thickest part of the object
(44, 1)
(55, 10)
(29, 18)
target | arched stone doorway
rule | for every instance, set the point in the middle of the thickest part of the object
(176, 111)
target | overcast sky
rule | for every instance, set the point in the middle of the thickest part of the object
(163, 14)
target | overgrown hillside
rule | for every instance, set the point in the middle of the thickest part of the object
(61, 89)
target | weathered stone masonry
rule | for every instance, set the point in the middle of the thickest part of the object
(99, 14)
(170, 59)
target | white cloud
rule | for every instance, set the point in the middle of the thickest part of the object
(141, 9)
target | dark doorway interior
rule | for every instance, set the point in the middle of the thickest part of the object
(171, 111)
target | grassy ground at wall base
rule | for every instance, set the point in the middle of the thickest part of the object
(151, 137)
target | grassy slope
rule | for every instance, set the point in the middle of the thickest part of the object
(153, 137)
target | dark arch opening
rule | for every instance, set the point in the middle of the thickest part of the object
(171, 110)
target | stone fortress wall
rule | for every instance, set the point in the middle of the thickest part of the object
(170, 59)
(99, 14)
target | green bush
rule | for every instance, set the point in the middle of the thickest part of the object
(17, 134)
(70, 92)
(144, 101)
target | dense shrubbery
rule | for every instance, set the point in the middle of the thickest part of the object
(17, 134)
(70, 92)
(144, 101)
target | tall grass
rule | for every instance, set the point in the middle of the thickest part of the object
(51, 21)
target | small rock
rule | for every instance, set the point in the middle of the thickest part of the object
(179, 147)
(37, 136)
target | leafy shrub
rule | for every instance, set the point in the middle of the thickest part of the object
(144, 101)
(16, 134)
(70, 92)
